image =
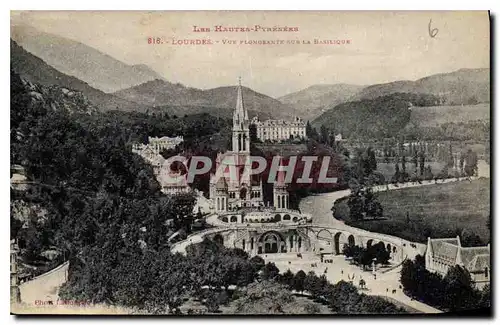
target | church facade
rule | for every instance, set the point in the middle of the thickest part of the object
(230, 187)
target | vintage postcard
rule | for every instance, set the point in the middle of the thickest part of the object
(250, 162)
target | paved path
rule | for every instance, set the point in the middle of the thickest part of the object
(44, 287)
(341, 269)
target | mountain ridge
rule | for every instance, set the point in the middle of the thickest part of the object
(98, 69)
(313, 100)
(458, 87)
(36, 70)
(161, 93)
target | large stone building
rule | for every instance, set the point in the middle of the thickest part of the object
(443, 253)
(230, 187)
(279, 130)
(156, 145)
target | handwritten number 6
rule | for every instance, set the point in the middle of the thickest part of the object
(432, 32)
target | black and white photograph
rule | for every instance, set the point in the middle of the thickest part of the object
(215, 163)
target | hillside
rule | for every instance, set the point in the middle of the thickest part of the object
(381, 117)
(315, 99)
(217, 101)
(36, 70)
(73, 58)
(464, 86)
(438, 115)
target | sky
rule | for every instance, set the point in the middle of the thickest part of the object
(383, 46)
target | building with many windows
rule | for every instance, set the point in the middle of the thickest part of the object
(279, 130)
(156, 145)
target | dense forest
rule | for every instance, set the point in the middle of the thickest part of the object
(84, 175)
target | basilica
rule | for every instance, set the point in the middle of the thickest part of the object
(233, 190)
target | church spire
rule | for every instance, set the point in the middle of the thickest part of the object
(241, 133)
(240, 113)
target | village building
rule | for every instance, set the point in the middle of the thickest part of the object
(156, 145)
(171, 183)
(443, 253)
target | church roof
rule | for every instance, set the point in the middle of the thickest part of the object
(470, 255)
(445, 248)
(474, 259)
(479, 263)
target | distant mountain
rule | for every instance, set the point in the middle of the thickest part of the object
(316, 99)
(35, 70)
(217, 101)
(73, 58)
(465, 86)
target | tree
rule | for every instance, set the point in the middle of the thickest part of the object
(469, 238)
(485, 300)
(356, 205)
(371, 162)
(212, 302)
(287, 279)
(309, 130)
(324, 134)
(372, 206)
(470, 163)
(347, 250)
(345, 297)
(257, 263)
(472, 100)
(310, 281)
(422, 163)
(252, 130)
(458, 288)
(298, 281)
(397, 173)
(382, 255)
(415, 160)
(450, 160)
(360, 167)
(428, 173)
(403, 166)
(386, 155)
(270, 271)
(409, 277)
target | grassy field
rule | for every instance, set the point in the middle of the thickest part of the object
(437, 115)
(444, 210)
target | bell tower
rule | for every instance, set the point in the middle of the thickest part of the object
(241, 131)
(280, 192)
